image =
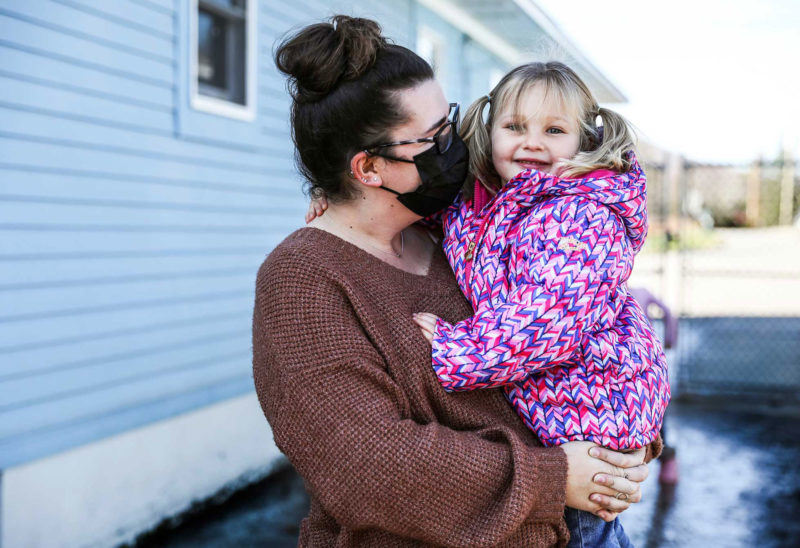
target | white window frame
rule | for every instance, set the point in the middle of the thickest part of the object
(426, 36)
(214, 105)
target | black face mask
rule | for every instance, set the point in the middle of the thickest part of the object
(442, 177)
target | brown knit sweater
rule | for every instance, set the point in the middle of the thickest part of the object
(344, 377)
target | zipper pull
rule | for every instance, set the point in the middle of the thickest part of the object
(470, 249)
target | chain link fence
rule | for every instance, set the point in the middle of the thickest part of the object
(724, 253)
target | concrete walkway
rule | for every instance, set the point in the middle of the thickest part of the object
(747, 272)
(739, 487)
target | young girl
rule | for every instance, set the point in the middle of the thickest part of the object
(542, 245)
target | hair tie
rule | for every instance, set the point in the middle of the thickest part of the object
(488, 98)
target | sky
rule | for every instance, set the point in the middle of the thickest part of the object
(715, 80)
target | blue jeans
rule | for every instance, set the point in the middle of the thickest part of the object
(589, 531)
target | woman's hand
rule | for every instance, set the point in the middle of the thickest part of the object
(427, 323)
(316, 208)
(602, 481)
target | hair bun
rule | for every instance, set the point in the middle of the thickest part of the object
(319, 57)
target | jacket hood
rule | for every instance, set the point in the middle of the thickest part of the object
(624, 193)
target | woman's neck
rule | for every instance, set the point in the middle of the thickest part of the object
(386, 236)
(358, 227)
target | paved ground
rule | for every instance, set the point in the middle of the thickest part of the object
(740, 482)
(746, 272)
(740, 487)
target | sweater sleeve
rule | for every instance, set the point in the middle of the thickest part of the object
(557, 289)
(345, 424)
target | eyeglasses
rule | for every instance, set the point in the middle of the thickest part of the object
(442, 139)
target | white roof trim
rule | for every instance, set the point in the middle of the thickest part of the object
(473, 28)
(549, 26)
(460, 18)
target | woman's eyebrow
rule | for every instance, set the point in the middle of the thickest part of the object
(439, 123)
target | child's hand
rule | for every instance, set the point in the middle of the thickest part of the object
(427, 323)
(316, 208)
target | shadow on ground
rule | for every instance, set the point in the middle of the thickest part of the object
(264, 514)
(739, 487)
(739, 484)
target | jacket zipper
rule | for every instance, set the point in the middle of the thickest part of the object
(471, 252)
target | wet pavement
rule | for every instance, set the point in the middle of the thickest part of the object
(739, 481)
(739, 487)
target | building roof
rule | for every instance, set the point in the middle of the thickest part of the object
(517, 31)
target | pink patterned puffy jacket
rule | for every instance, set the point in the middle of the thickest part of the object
(545, 264)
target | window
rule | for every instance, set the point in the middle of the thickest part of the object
(223, 57)
(430, 46)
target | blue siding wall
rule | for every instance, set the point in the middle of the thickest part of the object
(129, 242)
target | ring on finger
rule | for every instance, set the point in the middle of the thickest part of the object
(621, 496)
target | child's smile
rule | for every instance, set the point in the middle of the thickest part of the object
(532, 163)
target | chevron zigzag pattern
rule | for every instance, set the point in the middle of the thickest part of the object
(554, 324)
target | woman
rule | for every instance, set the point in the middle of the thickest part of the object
(341, 370)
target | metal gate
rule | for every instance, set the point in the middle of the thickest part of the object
(739, 280)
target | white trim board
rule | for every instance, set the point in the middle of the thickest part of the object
(466, 23)
(492, 38)
(550, 27)
(108, 492)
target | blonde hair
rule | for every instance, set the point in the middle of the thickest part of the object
(603, 147)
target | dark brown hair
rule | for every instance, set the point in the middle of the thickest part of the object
(343, 76)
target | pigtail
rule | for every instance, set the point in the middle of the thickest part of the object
(604, 147)
(475, 133)
(618, 140)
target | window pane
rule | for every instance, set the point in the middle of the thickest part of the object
(212, 50)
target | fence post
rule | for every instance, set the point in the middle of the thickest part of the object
(753, 205)
(673, 178)
(675, 181)
(787, 188)
(677, 260)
